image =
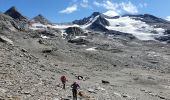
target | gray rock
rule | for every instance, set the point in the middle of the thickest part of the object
(5, 40)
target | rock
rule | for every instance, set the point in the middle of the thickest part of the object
(91, 90)
(56, 99)
(83, 95)
(124, 96)
(165, 38)
(120, 34)
(41, 41)
(161, 97)
(47, 51)
(16, 98)
(3, 90)
(24, 50)
(79, 41)
(74, 31)
(105, 82)
(48, 33)
(5, 40)
(80, 77)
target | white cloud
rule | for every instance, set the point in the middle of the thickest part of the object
(69, 9)
(129, 7)
(118, 8)
(84, 3)
(111, 7)
(111, 13)
(107, 5)
(97, 4)
(143, 5)
(168, 18)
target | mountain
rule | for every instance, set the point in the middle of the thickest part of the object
(15, 14)
(40, 18)
(86, 19)
(95, 22)
(144, 27)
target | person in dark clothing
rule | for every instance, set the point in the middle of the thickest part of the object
(75, 87)
(63, 80)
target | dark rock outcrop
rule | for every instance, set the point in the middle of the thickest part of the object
(87, 19)
(147, 18)
(74, 31)
(78, 41)
(97, 21)
(120, 34)
(164, 38)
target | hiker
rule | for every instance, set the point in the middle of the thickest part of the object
(75, 87)
(63, 80)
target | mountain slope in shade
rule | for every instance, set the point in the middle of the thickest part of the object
(15, 14)
(86, 19)
(95, 22)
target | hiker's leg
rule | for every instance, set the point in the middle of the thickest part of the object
(76, 94)
(73, 94)
(64, 85)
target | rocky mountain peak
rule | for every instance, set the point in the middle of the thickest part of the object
(40, 18)
(86, 19)
(14, 13)
(95, 14)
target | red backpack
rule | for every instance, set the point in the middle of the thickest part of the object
(63, 79)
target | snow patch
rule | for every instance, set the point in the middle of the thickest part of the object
(111, 13)
(139, 29)
(44, 37)
(58, 26)
(63, 34)
(77, 37)
(39, 26)
(91, 49)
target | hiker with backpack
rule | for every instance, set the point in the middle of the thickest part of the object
(75, 87)
(63, 80)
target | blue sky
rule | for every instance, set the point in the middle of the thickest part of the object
(69, 10)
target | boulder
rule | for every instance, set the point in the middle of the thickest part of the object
(47, 51)
(5, 40)
(79, 41)
(83, 95)
(72, 32)
(105, 82)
